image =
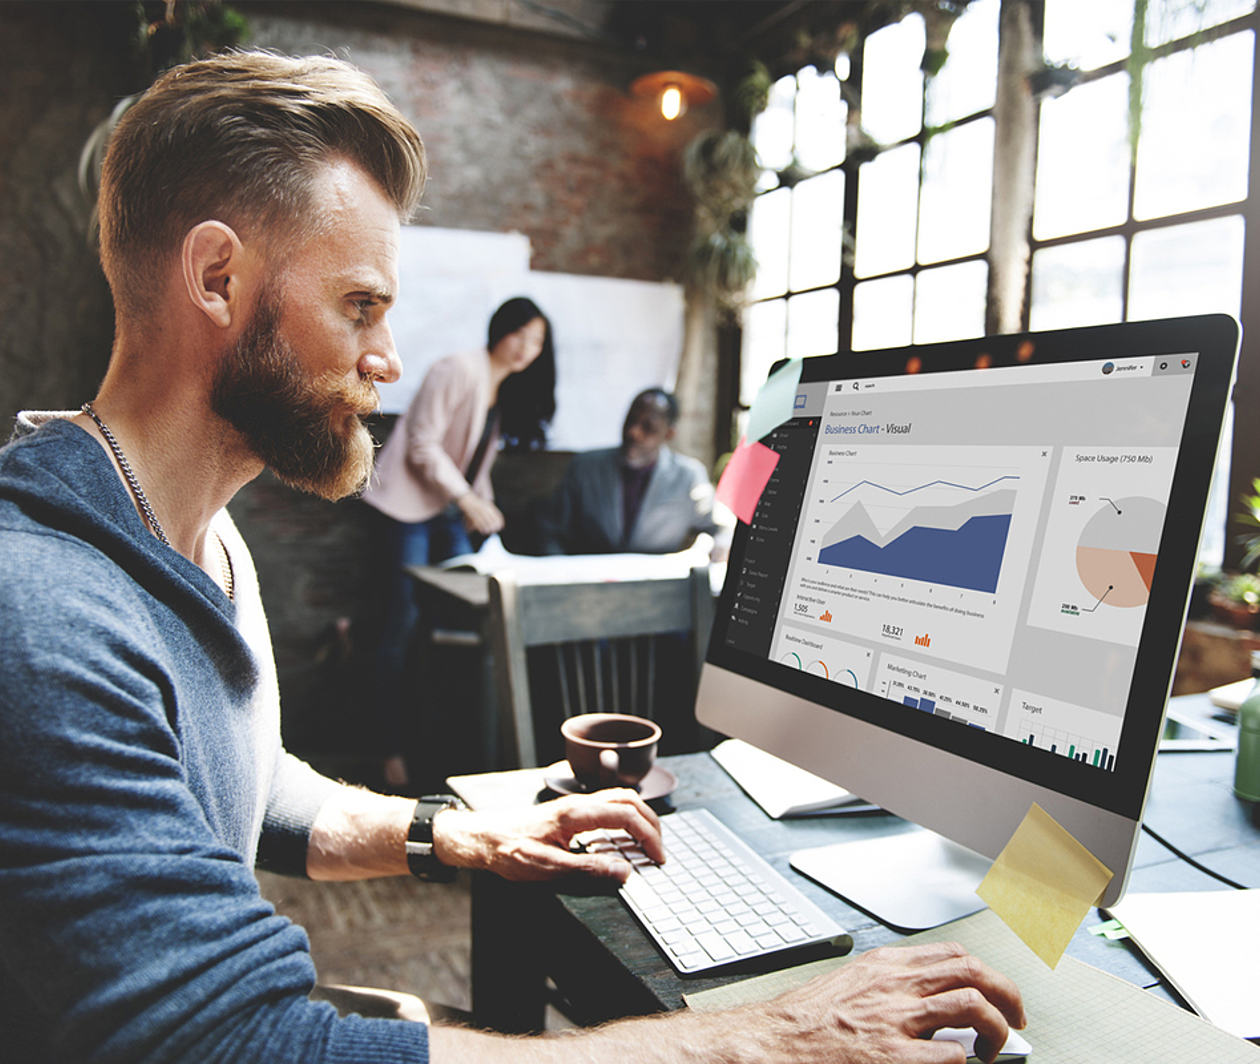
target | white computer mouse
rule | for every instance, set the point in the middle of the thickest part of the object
(1016, 1045)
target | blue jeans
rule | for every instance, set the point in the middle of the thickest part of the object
(400, 544)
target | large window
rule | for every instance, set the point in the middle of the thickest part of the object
(873, 222)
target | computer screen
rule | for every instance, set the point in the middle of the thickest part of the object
(963, 588)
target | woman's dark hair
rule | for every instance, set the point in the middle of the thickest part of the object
(527, 400)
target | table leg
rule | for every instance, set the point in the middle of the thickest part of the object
(508, 988)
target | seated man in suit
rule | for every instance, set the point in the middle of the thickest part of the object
(641, 496)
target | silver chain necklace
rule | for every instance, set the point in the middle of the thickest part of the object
(142, 500)
(129, 475)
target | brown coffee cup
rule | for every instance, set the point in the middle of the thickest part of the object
(610, 749)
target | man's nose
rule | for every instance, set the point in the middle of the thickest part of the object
(381, 361)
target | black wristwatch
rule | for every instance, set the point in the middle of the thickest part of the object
(420, 856)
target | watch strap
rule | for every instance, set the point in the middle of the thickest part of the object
(421, 859)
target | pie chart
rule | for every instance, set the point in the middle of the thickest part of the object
(1116, 552)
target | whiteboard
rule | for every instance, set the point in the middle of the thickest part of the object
(613, 337)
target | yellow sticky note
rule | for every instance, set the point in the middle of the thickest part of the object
(1043, 884)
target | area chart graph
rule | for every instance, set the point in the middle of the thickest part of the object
(956, 536)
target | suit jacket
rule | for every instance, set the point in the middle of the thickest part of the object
(421, 467)
(585, 515)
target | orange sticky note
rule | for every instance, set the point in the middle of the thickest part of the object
(1043, 884)
(745, 477)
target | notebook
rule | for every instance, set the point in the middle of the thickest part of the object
(1205, 943)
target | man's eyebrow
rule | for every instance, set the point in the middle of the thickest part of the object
(378, 295)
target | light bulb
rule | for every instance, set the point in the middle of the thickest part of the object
(673, 104)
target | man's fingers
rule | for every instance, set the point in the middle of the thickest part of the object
(550, 862)
(968, 972)
(919, 955)
(967, 1007)
(602, 866)
(618, 809)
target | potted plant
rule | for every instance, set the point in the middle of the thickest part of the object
(1236, 600)
(1250, 516)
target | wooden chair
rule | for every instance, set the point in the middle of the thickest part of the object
(602, 644)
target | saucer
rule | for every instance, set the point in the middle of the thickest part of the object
(656, 784)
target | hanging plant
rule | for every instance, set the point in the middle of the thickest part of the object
(721, 170)
(752, 92)
(939, 17)
(722, 263)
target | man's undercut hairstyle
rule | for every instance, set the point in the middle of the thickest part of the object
(239, 138)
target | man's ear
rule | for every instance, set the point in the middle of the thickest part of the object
(211, 261)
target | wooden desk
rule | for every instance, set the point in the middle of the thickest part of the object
(604, 966)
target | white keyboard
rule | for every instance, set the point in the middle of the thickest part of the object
(714, 901)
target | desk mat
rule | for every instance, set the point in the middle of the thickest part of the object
(1075, 1011)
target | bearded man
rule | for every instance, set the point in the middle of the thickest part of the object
(250, 211)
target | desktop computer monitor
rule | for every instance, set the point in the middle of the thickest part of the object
(963, 588)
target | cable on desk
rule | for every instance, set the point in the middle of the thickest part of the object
(1191, 861)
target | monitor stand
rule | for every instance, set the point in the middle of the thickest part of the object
(911, 881)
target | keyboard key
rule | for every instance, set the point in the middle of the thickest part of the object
(715, 946)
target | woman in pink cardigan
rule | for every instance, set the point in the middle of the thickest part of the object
(431, 488)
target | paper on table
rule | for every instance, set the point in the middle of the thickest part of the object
(1206, 944)
(775, 401)
(1075, 1012)
(1043, 884)
(1229, 696)
(744, 478)
(575, 568)
(779, 787)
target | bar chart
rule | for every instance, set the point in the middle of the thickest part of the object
(1065, 729)
(1077, 747)
(944, 693)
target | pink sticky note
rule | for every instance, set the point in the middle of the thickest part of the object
(745, 476)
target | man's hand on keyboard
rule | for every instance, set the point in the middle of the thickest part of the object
(533, 843)
(885, 1004)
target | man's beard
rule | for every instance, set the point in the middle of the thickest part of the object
(310, 436)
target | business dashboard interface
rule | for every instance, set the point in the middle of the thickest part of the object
(978, 545)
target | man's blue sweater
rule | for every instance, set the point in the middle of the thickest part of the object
(141, 772)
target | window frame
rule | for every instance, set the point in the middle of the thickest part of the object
(1243, 449)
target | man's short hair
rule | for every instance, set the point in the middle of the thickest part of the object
(239, 138)
(664, 398)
